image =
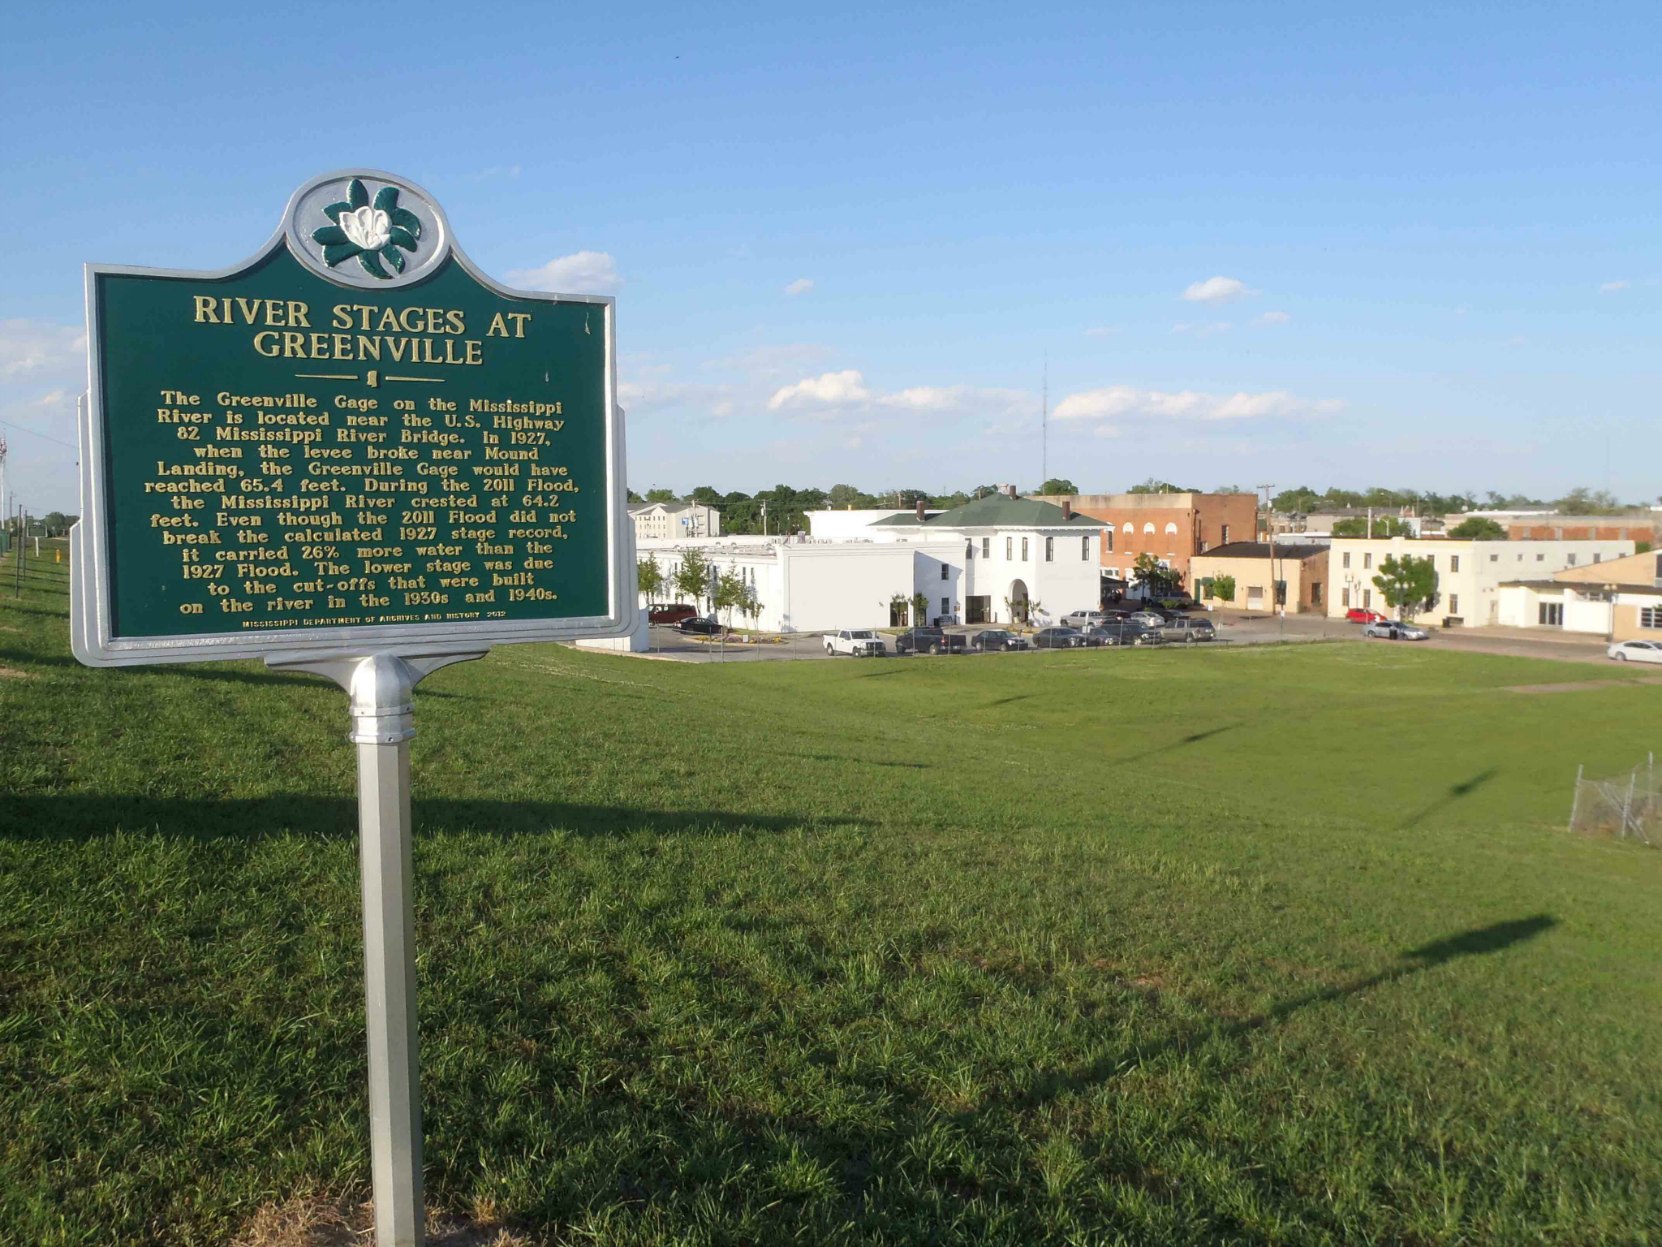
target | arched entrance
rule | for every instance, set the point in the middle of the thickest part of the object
(1017, 599)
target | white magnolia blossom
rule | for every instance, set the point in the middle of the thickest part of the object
(369, 228)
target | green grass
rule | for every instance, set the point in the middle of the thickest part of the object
(1281, 945)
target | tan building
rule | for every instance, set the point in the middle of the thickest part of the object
(1618, 598)
(1297, 575)
(1172, 527)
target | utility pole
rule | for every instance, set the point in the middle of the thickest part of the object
(1044, 425)
(1269, 540)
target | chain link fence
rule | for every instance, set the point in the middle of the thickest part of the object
(1623, 807)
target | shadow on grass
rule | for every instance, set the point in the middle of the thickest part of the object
(75, 818)
(839, 757)
(1455, 792)
(1193, 738)
(1478, 941)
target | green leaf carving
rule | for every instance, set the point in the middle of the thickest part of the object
(402, 237)
(386, 199)
(356, 195)
(334, 210)
(334, 253)
(329, 235)
(408, 220)
(389, 253)
(372, 266)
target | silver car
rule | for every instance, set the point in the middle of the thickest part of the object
(1396, 630)
(1636, 651)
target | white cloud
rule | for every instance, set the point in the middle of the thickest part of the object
(830, 389)
(1216, 290)
(1273, 318)
(1610, 287)
(584, 272)
(33, 346)
(802, 285)
(1122, 402)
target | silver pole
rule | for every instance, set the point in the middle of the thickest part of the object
(383, 721)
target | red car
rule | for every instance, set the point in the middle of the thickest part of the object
(673, 613)
(1357, 614)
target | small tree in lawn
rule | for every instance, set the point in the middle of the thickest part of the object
(731, 593)
(650, 578)
(920, 610)
(1223, 588)
(1408, 584)
(692, 578)
(1154, 579)
(749, 607)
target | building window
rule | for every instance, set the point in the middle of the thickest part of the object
(943, 571)
(1572, 560)
(1108, 539)
(946, 607)
(1171, 530)
(1347, 558)
(1598, 558)
(1551, 615)
(986, 547)
(1454, 562)
(1130, 529)
(1148, 530)
(1367, 598)
(1344, 598)
(1226, 534)
(1367, 561)
(1085, 549)
(1494, 558)
(1024, 549)
(1454, 603)
(1009, 547)
(1539, 558)
(1650, 617)
(1315, 593)
(1050, 549)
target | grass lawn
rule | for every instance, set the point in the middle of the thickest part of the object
(1277, 945)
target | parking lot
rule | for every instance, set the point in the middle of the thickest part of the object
(667, 643)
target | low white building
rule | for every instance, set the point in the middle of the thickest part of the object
(1618, 598)
(851, 525)
(1469, 573)
(674, 520)
(984, 562)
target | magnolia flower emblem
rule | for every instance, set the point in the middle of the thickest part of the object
(372, 232)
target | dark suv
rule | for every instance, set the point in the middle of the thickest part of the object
(930, 641)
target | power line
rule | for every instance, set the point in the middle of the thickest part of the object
(25, 429)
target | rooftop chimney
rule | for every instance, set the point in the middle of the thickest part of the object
(1067, 509)
(1009, 491)
(920, 508)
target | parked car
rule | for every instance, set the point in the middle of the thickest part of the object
(699, 626)
(859, 642)
(1083, 619)
(1636, 651)
(1146, 619)
(930, 641)
(998, 639)
(1183, 628)
(671, 613)
(1358, 614)
(1110, 632)
(1395, 630)
(1059, 638)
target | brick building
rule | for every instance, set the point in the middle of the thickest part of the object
(1584, 528)
(1172, 527)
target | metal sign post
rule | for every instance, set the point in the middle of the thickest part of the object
(353, 455)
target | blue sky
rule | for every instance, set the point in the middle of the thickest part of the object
(844, 244)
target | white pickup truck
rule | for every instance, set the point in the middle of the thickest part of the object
(860, 642)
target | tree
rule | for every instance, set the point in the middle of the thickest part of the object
(1478, 528)
(900, 607)
(1584, 501)
(1058, 485)
(1223, 588)
(660, 495)
(1408, 584)
(1296, 501)
(650, 578)
(1382, 526)
(732, 592)
(1156, 581)
(920, 610)
(706, 495)
(1152, 486)
(633, 496)
(692, 578)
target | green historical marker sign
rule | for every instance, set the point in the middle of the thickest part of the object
(353, 442)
